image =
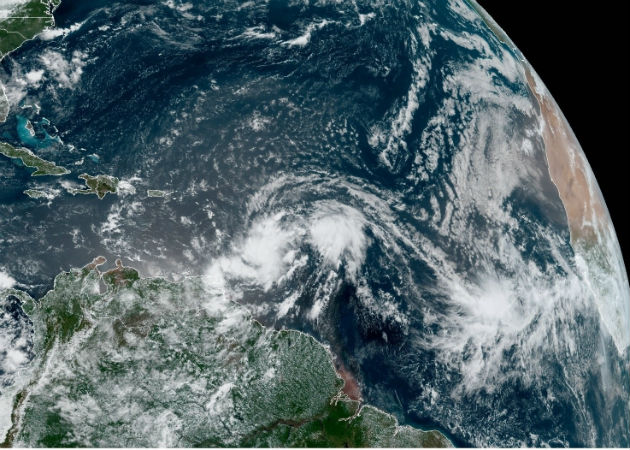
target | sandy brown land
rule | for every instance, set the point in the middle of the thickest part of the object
(98, 261)
(587, 216)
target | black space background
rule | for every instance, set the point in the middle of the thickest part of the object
(580, 50)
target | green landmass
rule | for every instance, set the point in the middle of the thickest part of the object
(346, 424)
(123, 361)
(156, 193)
(25, 22)
(34, 193)
(99, 185)
(29, 159)
(4, 104)
(48, 194)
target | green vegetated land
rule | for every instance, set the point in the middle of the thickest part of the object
(25, 22)
(123, 361)
(35, 193)
(29, 159)
(100, 185)
(156, 193)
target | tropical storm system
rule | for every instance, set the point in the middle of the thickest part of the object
(297, 223)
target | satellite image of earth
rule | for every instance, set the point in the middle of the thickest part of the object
(297, 223)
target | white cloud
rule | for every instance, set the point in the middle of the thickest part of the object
(52, 33)
(305, 38)
(34, 76)
(337, 233)
(67, 73)
(8, 6)
(6, 281)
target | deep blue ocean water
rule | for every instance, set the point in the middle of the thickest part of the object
(242, 112)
